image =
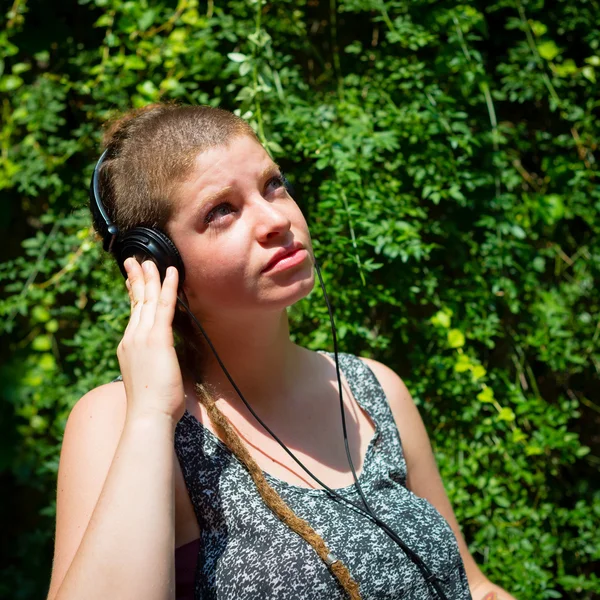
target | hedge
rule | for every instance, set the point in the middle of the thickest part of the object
(447, 156)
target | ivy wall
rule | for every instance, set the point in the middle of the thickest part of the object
(447, 155)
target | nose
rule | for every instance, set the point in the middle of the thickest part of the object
(272, 220)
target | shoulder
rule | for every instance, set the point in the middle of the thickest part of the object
(395, 390)
(101, 408)
(92, 434)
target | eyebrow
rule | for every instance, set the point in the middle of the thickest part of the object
(224, 192)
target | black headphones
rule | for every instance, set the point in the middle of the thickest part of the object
(141, 242)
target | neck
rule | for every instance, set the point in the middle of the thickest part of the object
(259, 355)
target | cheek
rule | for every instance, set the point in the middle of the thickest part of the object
(215, 272)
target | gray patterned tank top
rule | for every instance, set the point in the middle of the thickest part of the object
(245, 552)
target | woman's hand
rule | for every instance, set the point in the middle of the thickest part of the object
(149, 365)
(486, 590)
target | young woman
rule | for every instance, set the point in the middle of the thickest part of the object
(168, 487)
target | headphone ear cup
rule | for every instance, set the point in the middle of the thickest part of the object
(145, 243)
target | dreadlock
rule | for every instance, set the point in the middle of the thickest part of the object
(272, 499)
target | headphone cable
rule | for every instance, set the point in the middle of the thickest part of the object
(367, 512)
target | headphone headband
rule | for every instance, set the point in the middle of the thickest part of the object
(140, 242)
(108, 229)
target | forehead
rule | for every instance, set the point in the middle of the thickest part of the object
(241, 156)
(237, 164)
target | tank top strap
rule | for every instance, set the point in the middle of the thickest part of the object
(387, 458)
(367, 390)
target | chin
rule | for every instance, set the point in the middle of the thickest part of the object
(304, 290)
(292, 292)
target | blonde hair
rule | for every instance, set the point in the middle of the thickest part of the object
(150, 152)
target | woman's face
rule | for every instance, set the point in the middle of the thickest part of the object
(232, 219)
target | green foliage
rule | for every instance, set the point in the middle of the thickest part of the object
(446, 154)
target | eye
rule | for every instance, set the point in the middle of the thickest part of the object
(275, 183)
(218, 212)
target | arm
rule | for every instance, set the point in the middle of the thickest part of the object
(115, 506)
(423, 478)
(115, 533)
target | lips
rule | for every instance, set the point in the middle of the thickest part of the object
(281, 254)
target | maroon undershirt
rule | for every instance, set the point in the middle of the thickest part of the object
(186, 557)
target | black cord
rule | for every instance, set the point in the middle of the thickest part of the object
(367, 512)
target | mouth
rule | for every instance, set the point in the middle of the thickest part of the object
(285, 258)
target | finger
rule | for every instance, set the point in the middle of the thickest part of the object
(128, 286)
(151, 294)
(137, 285)
(167, 300)
(130, 294)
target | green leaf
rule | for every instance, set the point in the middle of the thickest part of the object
(441, 318)
(47, 362)
(506, 414)
(40, 314)
(539, 29)
(134, 63)
(454, 192)
(462, 364)
(486, 395)
(477, 372)
(548, 50)
(9, 83)
(456, 339)
(582, 451)
(169, 84)
(190, 17)
(554, 208)
(147, 88)
(146, 19)
(21, 67)
(589, 73)
(518, 436)
(42, 343)
(275, 147)
(104, 20)
(533, 450)
(518, 232)
(237, 57)
(245, 68)
(52, 326)
(565, 69)
(502, 501)
(539, 264)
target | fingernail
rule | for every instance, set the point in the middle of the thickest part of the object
(170, 272)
